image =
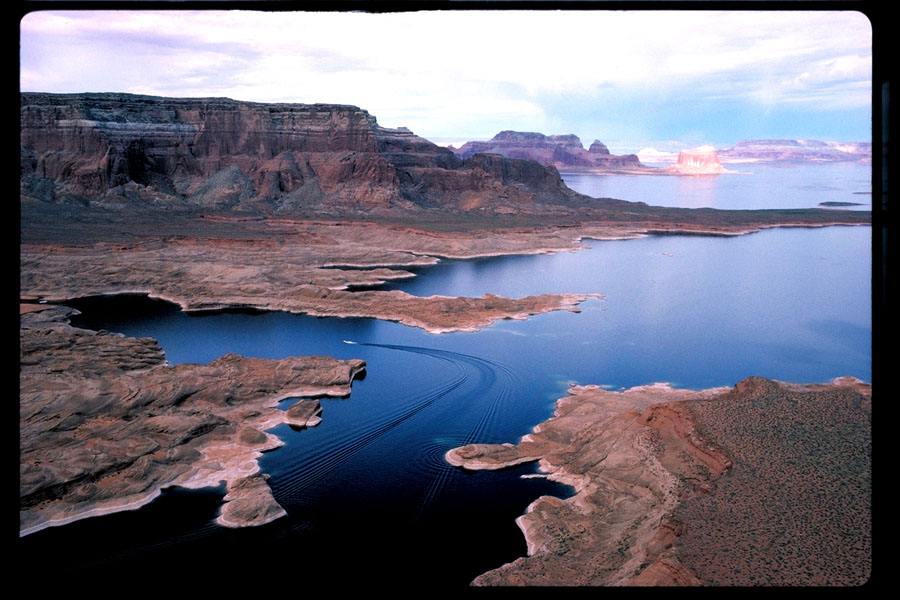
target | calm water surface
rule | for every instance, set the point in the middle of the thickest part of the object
(755, 185)
(367, 491)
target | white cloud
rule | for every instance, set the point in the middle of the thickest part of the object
(456, 67)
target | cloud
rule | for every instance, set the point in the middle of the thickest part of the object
(447, 72)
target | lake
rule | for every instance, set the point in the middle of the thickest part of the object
(755, 185)
(367, 491)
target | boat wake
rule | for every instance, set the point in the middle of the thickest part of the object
(463, 405)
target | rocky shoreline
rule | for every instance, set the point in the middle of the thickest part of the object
(312, 267)
(106, 424)
(268, 264)
(766, 483)
(216, 204)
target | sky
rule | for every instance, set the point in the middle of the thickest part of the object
(631, 79)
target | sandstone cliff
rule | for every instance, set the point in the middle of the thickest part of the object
(561, 151)
(121, 150)
(698, 161)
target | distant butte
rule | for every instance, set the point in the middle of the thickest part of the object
(565, 152)
(698, 161)
(716, 487)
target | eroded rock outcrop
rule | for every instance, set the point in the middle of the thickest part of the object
(105, 423)
(765, 483)
(702, 160)
(303, 272)
(122, 150)
(565, 152)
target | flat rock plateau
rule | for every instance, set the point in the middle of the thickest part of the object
(215, 204)
(766, 483)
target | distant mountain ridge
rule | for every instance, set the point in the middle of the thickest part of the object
(565, 152)
(797, 150)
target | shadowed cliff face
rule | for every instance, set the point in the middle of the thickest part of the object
(216, 153)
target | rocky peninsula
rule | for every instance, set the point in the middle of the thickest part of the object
(106, 424)
(765, 483)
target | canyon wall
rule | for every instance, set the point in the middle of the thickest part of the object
(120, 150)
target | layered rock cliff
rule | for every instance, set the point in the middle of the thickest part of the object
(560, 151)
(122, 150)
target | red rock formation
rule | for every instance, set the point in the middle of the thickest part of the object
(120, 149)
(698, 161)
(560, 151)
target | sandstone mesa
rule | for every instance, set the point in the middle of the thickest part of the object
(565, 152)
(702, 160)
(122, 150)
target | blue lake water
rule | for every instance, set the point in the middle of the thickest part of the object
(368, 492)
(755, 185)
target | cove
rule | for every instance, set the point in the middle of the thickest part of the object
(367, 491)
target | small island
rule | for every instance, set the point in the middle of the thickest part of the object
(840, 204)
